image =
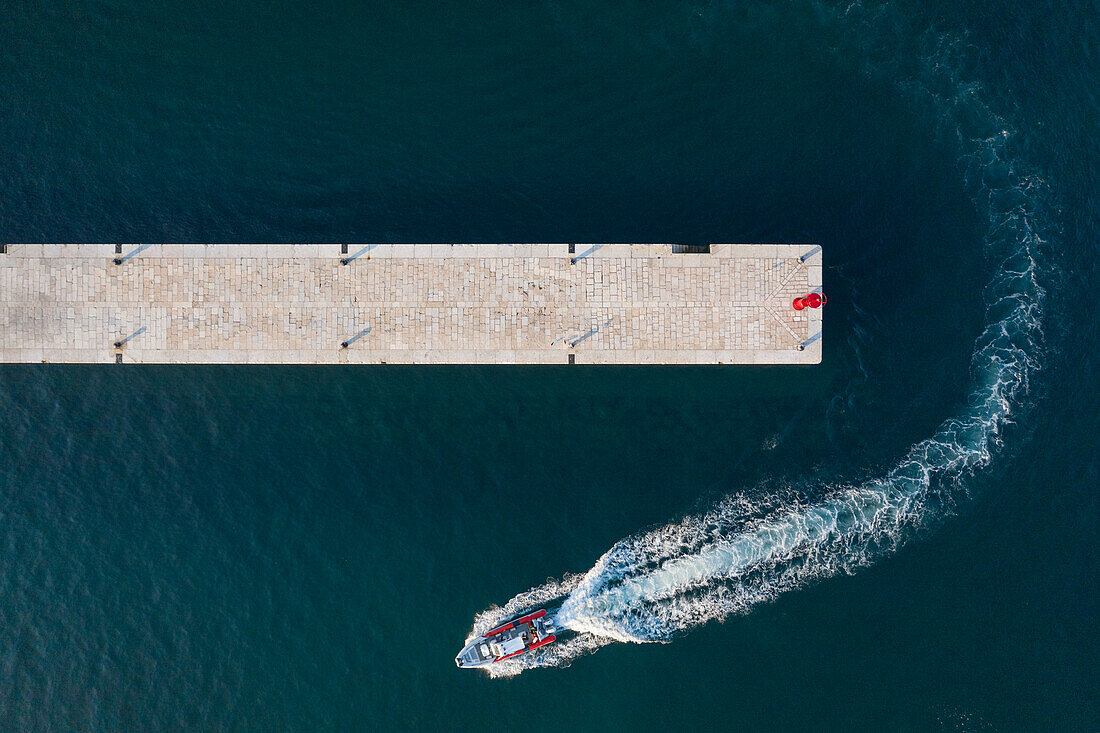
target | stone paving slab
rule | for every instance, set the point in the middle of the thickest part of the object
(408, 304)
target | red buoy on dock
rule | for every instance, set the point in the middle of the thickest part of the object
(813, 300)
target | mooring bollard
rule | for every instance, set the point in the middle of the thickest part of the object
(120, 344)
(802, 346)
(809, 254)
(356, 337)
(347, 260)
(118, 250)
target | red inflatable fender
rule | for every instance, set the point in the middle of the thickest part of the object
(496, 631)
(543, 641)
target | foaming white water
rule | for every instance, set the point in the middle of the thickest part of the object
(651, 586)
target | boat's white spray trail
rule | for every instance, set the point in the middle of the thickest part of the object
(654, 585)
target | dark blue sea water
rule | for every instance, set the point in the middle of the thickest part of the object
(902, 538)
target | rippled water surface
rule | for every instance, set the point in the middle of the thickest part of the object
(903, 537)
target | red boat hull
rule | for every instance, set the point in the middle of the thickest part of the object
(515, 637)
(499, 629)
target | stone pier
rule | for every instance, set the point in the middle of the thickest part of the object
(408, 304)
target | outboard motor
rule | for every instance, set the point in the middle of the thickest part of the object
(548, 627)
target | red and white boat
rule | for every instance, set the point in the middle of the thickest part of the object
(516, 637)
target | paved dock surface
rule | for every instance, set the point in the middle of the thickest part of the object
(408, 303)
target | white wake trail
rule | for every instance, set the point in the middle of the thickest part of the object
(654, 585)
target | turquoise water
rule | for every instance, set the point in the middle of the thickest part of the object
(306, 548)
